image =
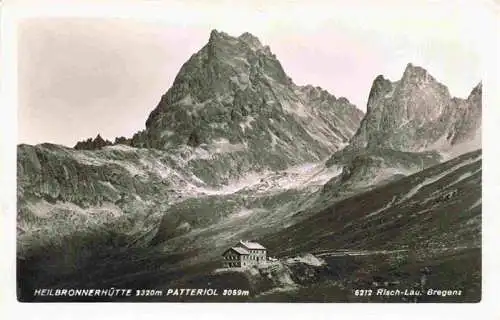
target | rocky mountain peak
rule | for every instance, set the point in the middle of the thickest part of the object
(218, 38)
(98, 138)
(224, 62)
(417, 81)
(414, 73)
(251, 40)
(215, 34)
(416, 113)
(233, 94)
(477, 91)
(242, 45)
(380, 86)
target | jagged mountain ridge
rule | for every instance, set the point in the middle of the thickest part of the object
(417, 113)
(93, 144)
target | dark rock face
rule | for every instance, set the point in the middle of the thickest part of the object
(122, 140)
(417, 113)
(92, 144)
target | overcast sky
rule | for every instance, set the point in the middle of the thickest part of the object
(97, 74)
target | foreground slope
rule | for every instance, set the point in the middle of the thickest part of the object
(422, 231)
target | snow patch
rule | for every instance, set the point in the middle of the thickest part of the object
(96, 161)
(245, 212)
(242, 80)
(120, 147)
(307, 259)
(108, 184)
(45, 209)
(218, 125)
(387, 173)
(199, 153)
(224, 146)
(187, 100)
(296, 108)
(449, 152)
(476, 204)
(390, 93)
(201, 105)
(274, 139)
(244, 60)
(234, 186)
(429, 181)
(184, 226)
(247, 124)
(387, 206)
(463, 177)
(167, 133)
(404, 123)
(322, 138)
(313, 173)
(298, 177)
(40, 208)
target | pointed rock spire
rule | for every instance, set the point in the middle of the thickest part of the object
(215, 35)
(379, 87)
(477, 91)
(97, 143)
(414, 73)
